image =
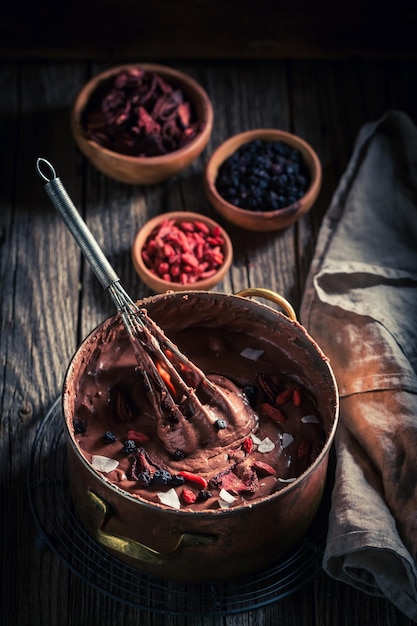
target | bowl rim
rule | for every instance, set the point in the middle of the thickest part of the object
(234, 142)
(199, 94)
(145, 230)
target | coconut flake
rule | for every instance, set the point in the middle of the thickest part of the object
(225, 499)
(103, 463)
(309, 419)
(169, 498)
(287, 480)
(287, 439)
(255, 439)
(266, 445)
(252, 354)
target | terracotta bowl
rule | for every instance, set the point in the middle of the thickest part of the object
(206, 280)
(266, 220)
(143, 170)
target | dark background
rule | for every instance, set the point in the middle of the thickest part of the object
(201, 29)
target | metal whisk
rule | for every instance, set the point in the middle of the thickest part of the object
(171, 379)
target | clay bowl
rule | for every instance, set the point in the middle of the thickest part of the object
(142, 170)
(212, 275)
(204, 544)
(260, 219)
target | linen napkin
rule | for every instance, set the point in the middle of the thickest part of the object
(360, 305)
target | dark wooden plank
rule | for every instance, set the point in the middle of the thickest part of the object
(34, 289)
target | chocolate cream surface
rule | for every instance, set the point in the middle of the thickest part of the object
(269, 435)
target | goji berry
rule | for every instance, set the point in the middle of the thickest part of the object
(303, 449)
(296, 397)
(192, 248)
(283, 397)
(188, 496)
(273, 412)
(194, 478)
(137, 436)
(247, 445)
(263, 468)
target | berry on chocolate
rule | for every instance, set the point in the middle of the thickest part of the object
(188, 496)
(144, 478)
(129, 446)
(178, 455)
(251, 392)
(161, 477)
(177, 480)
(203, 495)
(79, 426)
(220, 424)
(108, 437)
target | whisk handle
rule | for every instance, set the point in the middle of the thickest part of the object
(78, 228)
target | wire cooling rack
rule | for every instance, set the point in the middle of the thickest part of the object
(59, 527)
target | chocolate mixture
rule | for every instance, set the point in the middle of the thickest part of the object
(270, 434)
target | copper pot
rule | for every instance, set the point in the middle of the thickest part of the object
(213, 544)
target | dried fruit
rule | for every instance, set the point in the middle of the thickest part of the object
(247, 445)
(304, 449)
(79, 426)
(161, 477)
(137, 436)
(183, 252)
(273, 412)
(283, 396)
(188, 496)
(251, 392)
(296, 397)
(178, 455)
(129, 446)
(108, 437)
(263, 468)
(263, 176)
(203, 495)
(194, 478)
(138, 113)
(239, 479)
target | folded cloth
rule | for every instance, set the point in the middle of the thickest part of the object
(360, 305)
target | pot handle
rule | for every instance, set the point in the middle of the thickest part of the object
(135, 549)
(268, 294)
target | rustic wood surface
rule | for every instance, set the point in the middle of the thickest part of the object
(50, 300)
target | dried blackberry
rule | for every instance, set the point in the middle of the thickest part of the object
(203, 495)
(144, 478)
(129, 446)
(251, 392)
(177, 481)
(108, 437)
(178, 455)
(263, 176)
(79, 426)
(162, 477)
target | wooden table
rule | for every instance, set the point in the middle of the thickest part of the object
(50, 299)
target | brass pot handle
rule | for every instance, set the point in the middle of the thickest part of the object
(260, 292)
(135, 549)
